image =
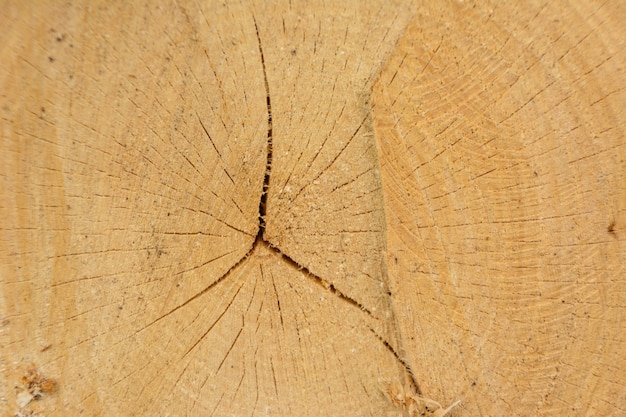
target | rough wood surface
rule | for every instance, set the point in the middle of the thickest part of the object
(502, 147)
(331, 208)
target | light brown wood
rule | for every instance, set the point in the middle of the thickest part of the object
(341, 208)
(503, 158)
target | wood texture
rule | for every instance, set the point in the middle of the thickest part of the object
(501, 139)
(329, 208)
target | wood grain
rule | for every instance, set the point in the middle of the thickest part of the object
(501, 140)
(312, 208)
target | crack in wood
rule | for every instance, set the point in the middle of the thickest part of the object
(390, 348)
(266, 183)
(260, 240)
(268, 164)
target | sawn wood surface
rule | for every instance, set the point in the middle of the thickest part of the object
(331, 208)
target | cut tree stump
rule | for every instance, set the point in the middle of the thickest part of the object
(335, 208)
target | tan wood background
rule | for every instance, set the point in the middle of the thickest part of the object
(444, 211)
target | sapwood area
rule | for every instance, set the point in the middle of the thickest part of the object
(328, 208)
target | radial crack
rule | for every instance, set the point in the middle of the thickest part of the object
(407, 367)
(261, 241)
(268, 164)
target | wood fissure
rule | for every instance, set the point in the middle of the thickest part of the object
(412, 380)
(260, 239)
(268, 164)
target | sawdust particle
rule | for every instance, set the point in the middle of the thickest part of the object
(34, 386)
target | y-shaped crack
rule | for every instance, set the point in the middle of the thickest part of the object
(260, 240)
(266, 183)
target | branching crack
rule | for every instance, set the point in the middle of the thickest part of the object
(261, 241)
